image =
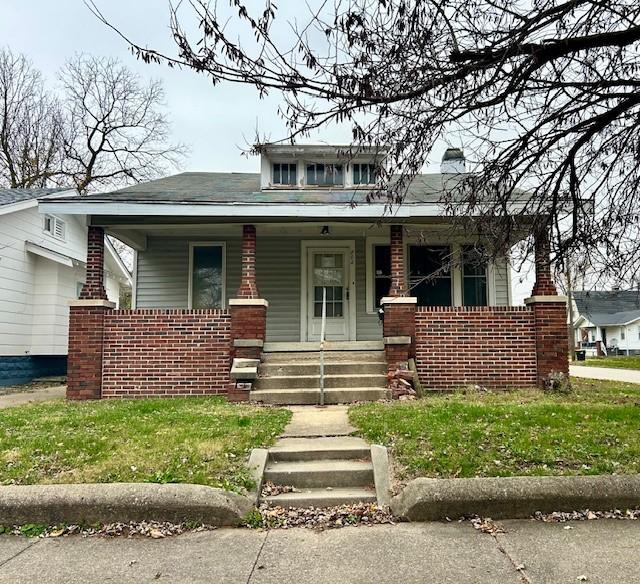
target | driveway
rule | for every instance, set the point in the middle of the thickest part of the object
(601, 551)
(606, 373)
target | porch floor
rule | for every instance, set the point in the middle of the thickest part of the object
(280, 347)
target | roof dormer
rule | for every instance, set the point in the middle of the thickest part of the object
(318, 167)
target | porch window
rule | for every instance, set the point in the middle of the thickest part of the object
(285, 173)
(325, 175)
(474, 276)
(381, 272)
(364, 174)
(206, 284)
(430, 274)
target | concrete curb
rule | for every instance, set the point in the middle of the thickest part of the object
(106, 503)
(257, 463)
(380, 462)
(514, 497)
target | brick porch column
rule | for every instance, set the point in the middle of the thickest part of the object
(398, 287)
(248, 312)
(399, 325)
(248, 287)
(550, 315)
(86, 325)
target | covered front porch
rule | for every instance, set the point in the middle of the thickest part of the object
(200, 266)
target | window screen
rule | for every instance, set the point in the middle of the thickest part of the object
(430, 274)
(474, 276)
(207, 282)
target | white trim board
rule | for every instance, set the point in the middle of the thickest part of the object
(307, 244)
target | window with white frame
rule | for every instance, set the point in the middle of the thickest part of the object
(207, 275)
(430, 274)
(474, 276)
(639, 333)
(364, 174)
(623, 334)
(54, 226)
(325, 175)
(381, 258)
(284, 173)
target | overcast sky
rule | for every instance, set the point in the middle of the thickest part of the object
(216, 123)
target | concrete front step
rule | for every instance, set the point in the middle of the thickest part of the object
(330, 448)
(310, 368)
(329, 357)
(291, 397)
(320, 473)
(313, 381)
(323, 497)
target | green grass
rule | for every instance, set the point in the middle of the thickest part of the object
(630, 362)
(182, 440)
(594, 430)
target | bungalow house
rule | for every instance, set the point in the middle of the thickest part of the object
(233, 273)
(607, 322)
(42, 267)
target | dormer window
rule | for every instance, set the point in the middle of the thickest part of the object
(364, 174)
(284, 173)
(325, 175)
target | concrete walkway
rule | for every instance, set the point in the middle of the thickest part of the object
(602, 551)
(311, 421)
(21, 398)
(606, 373)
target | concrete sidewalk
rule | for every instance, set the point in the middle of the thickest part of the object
(605, 373)
(21, 398)
(602, 551)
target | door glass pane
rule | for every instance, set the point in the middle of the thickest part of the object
(206, 278)
(328, 274)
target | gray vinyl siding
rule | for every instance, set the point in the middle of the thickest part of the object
(278, 279)
(163, 272)
(501, 278)
(368, 326)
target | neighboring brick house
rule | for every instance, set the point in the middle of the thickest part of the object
(230, 266)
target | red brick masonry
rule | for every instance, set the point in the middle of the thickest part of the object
(492, 346)
(84, 364)
(166, 352)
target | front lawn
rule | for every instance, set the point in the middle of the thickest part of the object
(594, 430)
(182, 440)
(630, 362)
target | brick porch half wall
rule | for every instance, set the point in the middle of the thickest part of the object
(166, 353)
(491, 346)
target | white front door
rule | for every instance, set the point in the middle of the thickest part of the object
(328, 269)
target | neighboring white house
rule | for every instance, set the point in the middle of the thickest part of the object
(42, 267)
(607, 322)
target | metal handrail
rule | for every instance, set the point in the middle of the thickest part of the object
(322, 335)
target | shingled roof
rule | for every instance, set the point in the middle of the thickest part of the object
(236, 187)
(10, 196)
(608, 308)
